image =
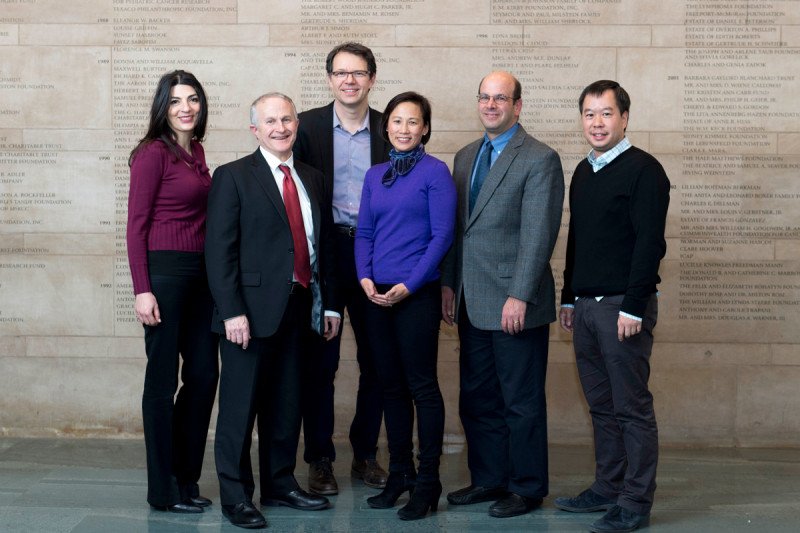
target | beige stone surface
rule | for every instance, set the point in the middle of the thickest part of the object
(461, 35)
(78, 101)
(768, 406)
(66, 386)
(595, 35)
(55, 295)
(712, 90)
(9, 34)
(66, 34)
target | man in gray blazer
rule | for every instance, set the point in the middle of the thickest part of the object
(497, 284)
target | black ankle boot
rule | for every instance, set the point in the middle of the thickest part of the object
(425, 496)
(396, 485)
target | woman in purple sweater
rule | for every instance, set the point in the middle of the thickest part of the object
(165, 235)
(405, 227)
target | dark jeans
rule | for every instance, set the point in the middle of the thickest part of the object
(503, 406)
(405, 339)
(175, 429)
(614, 377)
(320, 371)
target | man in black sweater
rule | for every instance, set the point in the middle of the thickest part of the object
(618, 201)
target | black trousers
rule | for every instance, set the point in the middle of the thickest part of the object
(176, 428)
(614, 378)
(320, 372)
(503, 406)
(263, 381)
(405, 341)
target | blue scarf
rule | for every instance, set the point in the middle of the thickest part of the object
(401, 163)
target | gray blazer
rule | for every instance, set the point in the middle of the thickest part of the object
(503, 248)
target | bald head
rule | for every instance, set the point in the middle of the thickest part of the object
(499, 116)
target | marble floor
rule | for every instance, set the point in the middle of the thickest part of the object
(98, 486)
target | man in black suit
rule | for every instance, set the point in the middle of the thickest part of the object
(267, 256)
(342, 140)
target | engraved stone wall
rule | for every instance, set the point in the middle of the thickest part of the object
(712, 84)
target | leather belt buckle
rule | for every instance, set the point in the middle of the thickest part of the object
(350, 231)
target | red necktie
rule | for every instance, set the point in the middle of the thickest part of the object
(302, 262)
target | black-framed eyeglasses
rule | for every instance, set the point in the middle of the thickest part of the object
(498, 98)
(357, 74)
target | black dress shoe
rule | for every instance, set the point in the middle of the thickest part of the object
(244, 515)
(475, 494)
(200, 501)
(297, 499)
(181, 507)
(620, 520)
(513, 505)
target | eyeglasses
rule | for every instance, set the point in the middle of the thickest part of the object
(498, 98)
(357, 74)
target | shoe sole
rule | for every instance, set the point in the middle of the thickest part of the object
(645, 523)
(593, 509)
(323, 492)
(281, 503)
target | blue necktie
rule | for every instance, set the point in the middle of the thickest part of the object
(481, 170)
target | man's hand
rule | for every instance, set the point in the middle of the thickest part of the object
(513, 319)
(237, 330)
(448, 305)
(627, 327)
(331, 327)
(565, 318)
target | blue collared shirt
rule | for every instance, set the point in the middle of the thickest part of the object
(599, 162)
(498, 144)
(351, 160)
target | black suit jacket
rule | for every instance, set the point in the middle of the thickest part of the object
(314, 144)
(249, 248)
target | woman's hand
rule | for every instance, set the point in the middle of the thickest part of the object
(397, 294)
(372, 294)
(146, 309)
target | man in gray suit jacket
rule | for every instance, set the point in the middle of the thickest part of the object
(497, 284)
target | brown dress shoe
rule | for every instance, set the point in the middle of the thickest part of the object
(320, 478)
(370, 472)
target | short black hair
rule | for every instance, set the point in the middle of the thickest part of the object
(414, 98)
(599, 87)
(356, 49)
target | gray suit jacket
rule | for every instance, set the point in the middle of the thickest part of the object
(503, 247)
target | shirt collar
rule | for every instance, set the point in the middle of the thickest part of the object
(500, 142)
(338, 124)
(599, 162)
(274, 162)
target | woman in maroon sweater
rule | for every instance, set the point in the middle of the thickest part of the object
(166, 233)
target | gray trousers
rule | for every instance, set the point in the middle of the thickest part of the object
(614, 378)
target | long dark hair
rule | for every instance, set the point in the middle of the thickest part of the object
(159, 125)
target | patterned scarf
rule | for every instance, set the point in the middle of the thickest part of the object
(401, 163)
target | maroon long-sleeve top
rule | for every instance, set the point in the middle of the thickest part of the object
(166, 205)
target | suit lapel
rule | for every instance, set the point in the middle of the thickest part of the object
(497, 173)
(263, 176)
(377, 145)
(325, 124)
(312, 197)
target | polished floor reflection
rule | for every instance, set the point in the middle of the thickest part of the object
(98, 486)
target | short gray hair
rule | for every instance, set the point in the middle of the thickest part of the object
(266, 96)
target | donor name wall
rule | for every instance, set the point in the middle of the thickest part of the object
(713, 83)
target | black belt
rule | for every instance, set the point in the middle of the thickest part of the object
(350, 231)
(296, 288)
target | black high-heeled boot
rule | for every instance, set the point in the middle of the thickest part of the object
(425, 496)
(396, 485)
